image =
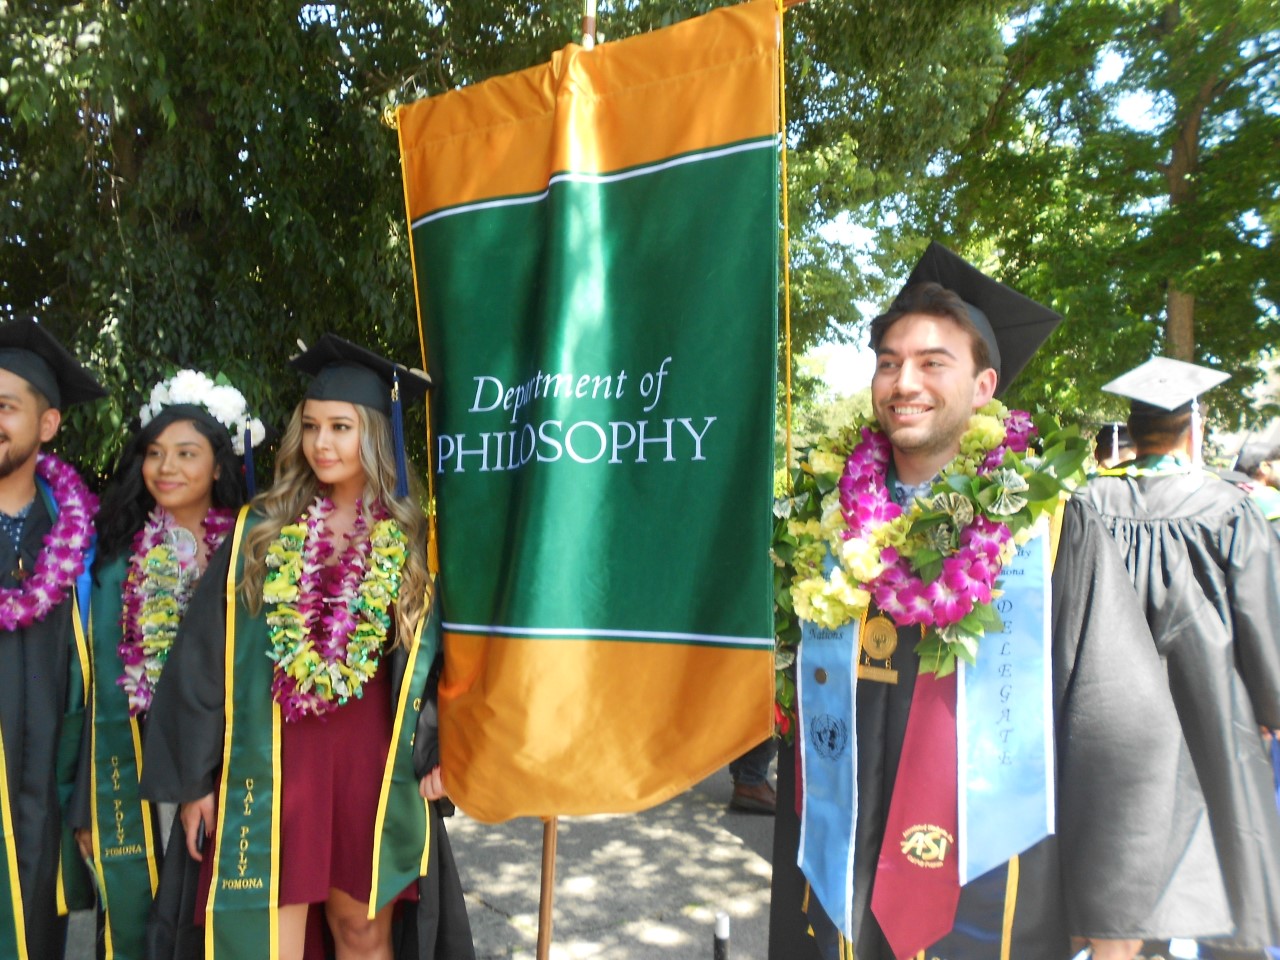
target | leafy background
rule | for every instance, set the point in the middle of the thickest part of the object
(204, 182)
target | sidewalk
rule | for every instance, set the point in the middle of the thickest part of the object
(645, 886)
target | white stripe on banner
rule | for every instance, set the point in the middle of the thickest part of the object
(568, 177)
(587, 634)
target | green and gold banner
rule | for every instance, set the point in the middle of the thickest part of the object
(595, 250)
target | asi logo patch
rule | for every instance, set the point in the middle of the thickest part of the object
(927, 845)
(829, 736)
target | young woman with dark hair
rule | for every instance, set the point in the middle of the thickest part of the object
(171, 501)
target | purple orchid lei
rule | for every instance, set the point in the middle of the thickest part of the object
(968, 574)
(62, 558)
(155, 594)
(329, 616)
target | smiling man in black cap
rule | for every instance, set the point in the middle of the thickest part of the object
(1099, 866)
(1206, 567)
(46, 518)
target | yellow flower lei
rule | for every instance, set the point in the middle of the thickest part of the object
(310, 680)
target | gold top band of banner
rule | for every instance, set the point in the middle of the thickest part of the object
(504, 137)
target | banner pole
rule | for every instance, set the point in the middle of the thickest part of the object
(588, 24)
(547, 896)
(785, 203)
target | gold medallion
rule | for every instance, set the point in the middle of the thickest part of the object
(879, 637)
(878, 642)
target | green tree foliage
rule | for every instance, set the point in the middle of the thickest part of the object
(191, 183)
(1152, 234)
(203, 182)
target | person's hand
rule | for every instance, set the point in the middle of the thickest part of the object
(1115, 949)
(197, 821)
(432, 785)
(84, 840)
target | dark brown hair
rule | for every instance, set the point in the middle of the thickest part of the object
(935, 300)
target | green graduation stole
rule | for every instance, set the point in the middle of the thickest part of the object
(13, 922)
(125, 851)
(241, 916)
(74, 889)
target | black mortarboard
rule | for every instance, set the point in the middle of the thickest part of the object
(31, 352)
(1163, 385)
(341, 370)
(1013, 326)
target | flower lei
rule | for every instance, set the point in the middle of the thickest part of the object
(155, 594)
(326, 648)
(61, 560)
(934, 563)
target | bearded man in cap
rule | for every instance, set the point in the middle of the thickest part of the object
(1206, 567)
(46, 515)
(1016, 807)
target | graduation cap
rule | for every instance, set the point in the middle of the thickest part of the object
(31, 352)
(1112, 437)
(1166, 387)
(341, 370)
(1013, 326)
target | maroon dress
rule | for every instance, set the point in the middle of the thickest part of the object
(332, 771)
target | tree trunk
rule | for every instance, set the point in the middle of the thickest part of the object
(1179, 331)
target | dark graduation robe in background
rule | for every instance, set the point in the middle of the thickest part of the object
(1206, 567)
(183, 752)
(34, 665)
(1123, 826)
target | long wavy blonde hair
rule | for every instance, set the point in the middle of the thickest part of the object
(296, 486)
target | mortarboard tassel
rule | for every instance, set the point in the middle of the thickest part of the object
(397, 438)
(249, 485)
(1197, 435)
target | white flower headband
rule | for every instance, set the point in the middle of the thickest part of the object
(218, 397)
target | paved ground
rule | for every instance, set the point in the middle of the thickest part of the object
(638, 887)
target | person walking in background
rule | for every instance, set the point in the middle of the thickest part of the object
(1206, 568)
(752, 792)
(1257, 473)
(1113, 445)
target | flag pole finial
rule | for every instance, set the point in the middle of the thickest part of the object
(588, 24)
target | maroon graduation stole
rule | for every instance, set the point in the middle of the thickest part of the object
(917, 884)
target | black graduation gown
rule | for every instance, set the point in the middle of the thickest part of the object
(1206, 567)
(182, 753)
(33, 694)
(33, 690)
(1107, 871)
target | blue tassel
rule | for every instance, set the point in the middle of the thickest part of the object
(397, 437)
(249, 485)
